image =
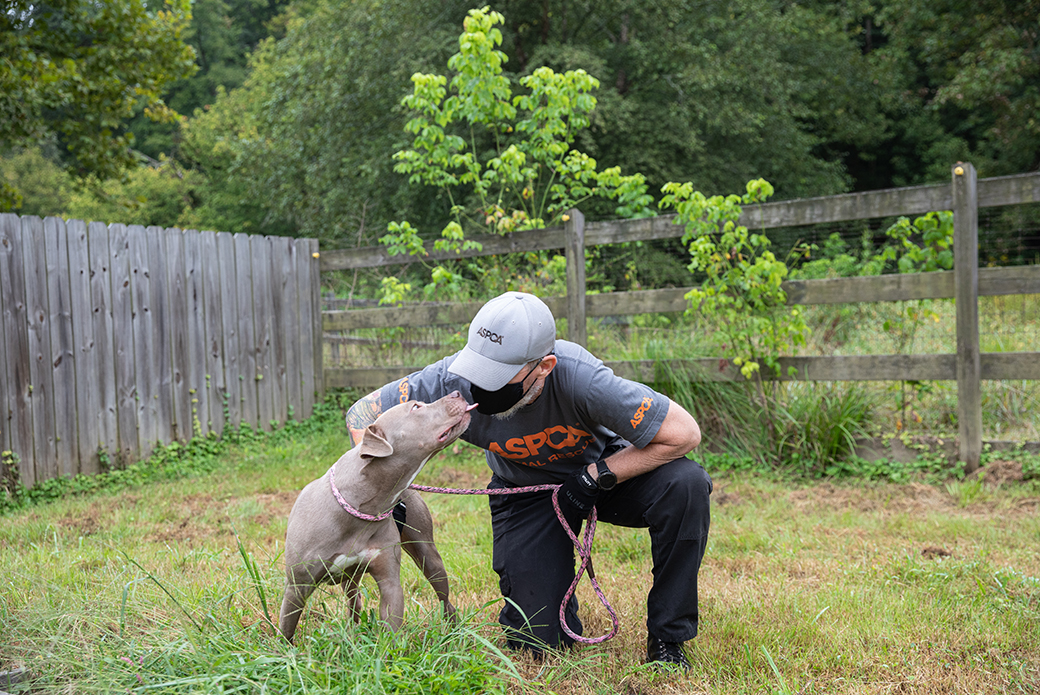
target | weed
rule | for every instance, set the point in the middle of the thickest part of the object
(966, 492)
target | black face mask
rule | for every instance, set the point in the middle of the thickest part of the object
(492, 402)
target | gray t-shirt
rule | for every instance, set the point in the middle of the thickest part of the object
(583, 408)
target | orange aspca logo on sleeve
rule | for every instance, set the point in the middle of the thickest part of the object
(403, 389)
(552, 439)
(637, 417)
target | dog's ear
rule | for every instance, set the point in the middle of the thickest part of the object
(373, 444)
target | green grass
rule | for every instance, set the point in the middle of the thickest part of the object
(166, 584)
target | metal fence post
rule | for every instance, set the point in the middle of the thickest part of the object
(966, 292)
(574, 227)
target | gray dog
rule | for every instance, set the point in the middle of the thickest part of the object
(326, 543)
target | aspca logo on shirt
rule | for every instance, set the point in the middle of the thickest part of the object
(550, 441)
(637, 417)
(402, 388)
(490, 335)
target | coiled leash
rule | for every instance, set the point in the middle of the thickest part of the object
(584, 548)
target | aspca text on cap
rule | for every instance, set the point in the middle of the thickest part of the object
(490, 335)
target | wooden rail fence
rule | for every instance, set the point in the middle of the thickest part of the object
(114, 338)
(965, 194)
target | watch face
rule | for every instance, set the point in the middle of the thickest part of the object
(607, 479)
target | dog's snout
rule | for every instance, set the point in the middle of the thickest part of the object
(455, 394)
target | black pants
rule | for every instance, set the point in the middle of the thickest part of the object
(535, 559)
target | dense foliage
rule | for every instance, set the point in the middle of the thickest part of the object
(73, 72)
(295, 111)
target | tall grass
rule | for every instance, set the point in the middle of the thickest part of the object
(802, 428)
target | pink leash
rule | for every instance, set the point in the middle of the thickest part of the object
(584, 549)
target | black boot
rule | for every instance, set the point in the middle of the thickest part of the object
(660, 653)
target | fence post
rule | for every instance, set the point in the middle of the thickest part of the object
(966, 283)
(574, 230)
(318, 343)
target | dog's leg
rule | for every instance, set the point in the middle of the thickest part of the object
(386, 569)
(417, 541)
(295, 599)
(352, 591)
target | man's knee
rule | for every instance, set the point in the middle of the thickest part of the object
(686, 479)
(683, 505)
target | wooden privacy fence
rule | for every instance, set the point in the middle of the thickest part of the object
(115, 338)
(964, 195)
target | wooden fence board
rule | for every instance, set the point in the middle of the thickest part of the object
(278, 256)
(246, 330)
(638, 302)
(196, 330)
(103, 359)
(145, 345)
(995, 366)
(177, 277)
(86, 403)
(5, 394)
(214, 345)
(263, 311)
(63, 355)
(40, 370)
(1010, 365)
(419, 315)
(880, 288)
(288, 314)
(123, 343)
(17, 404)
(158, 281)
(113, 339)
(232, 395)
(1004, 281)
(993, 192)
(309, 315)
(1009, 190)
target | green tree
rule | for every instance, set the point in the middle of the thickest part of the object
(505, 162)
(307, 140)
(76, 71)
(223, 33)
(709, 92)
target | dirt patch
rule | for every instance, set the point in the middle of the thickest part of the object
(997, 473)
(914, 497)
(721, 497)
(85, 524)
(278, 503)
(276, 506)
(932, 552)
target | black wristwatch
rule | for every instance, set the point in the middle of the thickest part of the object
(607, 480)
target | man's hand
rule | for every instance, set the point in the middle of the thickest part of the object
(578, 496)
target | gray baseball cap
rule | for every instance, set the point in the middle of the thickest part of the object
(507, 333)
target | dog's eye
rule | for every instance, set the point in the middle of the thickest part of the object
(415, 406)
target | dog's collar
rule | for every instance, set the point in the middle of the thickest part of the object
(348, 507)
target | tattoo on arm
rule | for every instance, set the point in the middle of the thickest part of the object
(362, 414)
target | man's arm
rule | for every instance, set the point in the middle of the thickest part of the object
(362, 414)
(678, 435)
